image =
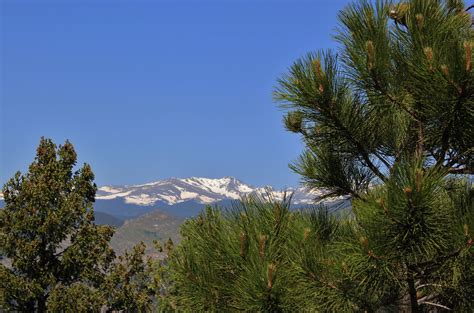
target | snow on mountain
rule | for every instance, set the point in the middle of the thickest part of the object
(202, 190)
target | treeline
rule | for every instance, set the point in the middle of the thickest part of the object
(387, 121)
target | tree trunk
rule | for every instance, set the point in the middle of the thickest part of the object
(413, 298)
(41, 304)
(29, 307)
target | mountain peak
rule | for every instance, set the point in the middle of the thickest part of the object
(199, 189)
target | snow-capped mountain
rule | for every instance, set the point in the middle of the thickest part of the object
(202, 190)
(186, 197)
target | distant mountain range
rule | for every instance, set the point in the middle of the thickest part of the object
(185, 197)
(202, 190)
(154, 211)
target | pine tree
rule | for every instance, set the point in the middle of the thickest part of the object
(58, 256)
(260, 256)
(232, 260)
(388, 122)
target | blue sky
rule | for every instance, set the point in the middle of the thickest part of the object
(147, 90)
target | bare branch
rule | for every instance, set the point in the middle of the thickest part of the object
(458, 171)
(436, 304)
(427, 285)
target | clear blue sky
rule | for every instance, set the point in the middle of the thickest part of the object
(147, 90)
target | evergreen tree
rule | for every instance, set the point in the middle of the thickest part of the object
(231, 260)
(58, 256)
(388, 122)
(137, 283)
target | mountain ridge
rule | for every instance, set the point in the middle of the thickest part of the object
(186, 197)
(200, 189)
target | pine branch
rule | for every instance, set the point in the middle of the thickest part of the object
(421, 138)
(432, 265)
(388, 165)
(427, 285)
(435, 304)
(444, 144)
(461, 171)
(426, 298)
(360, 148)
(412, 293)
(446, 133)
(393, 99)
(457, 158)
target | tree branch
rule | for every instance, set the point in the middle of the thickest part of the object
(360, 148)
(449, 126)
(457, 171)
(412, 293)
(382, 160)
(427, 285)
(457, 158)
(436, 304)
(429, 266)
(392, 99)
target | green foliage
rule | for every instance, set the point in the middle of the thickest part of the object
(262, 257)
(60, 259)
(76, 297)
(341, 174)
(387, 122)
(232, 260)
(411, 231)
(401, 84)
(128, 284)
(47, 230)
